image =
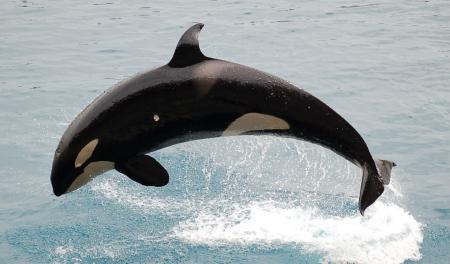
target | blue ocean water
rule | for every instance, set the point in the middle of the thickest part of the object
(383, 65)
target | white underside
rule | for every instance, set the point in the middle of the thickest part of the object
(93, 169)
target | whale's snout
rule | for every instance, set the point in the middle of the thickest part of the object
(74, 165)
(64, 169)
(59, 176)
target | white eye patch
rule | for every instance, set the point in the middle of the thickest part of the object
(85, 153)
(255, 122)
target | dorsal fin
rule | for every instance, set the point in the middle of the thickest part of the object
(188, 51)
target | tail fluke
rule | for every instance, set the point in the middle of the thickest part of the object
(372, 183)
(384, 169)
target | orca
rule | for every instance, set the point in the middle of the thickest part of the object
(195, 97)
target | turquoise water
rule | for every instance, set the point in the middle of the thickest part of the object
(383, 65)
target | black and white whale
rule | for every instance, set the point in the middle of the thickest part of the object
(195, 97)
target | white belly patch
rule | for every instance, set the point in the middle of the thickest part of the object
(255, 122)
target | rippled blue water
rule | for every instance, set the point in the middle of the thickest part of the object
(383, 65)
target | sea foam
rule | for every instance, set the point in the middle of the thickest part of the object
(387, 234)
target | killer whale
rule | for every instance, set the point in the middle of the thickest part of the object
(195, 97)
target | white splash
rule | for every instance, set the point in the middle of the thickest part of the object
(76, 253)
(63, 250)
(387, 234)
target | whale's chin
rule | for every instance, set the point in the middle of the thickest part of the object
(90, 172)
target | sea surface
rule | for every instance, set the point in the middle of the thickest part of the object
(383, 65)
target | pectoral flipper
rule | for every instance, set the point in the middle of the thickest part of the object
(144, 170)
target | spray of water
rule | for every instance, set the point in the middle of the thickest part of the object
(274, 192)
